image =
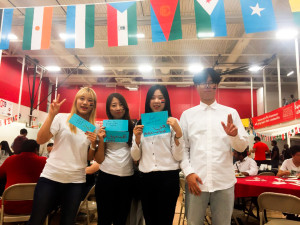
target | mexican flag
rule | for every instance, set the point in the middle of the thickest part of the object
(295, 7)
(210, 18)
(121, 24)
(37, 28)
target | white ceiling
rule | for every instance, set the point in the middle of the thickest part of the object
(169, 59)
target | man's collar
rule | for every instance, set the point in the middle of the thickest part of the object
(204, 106)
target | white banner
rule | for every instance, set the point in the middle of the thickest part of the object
(6, 107)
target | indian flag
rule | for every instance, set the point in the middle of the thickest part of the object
(37, 28)
(295, 7)
(210, 18)
(80, 26)
(121, 24)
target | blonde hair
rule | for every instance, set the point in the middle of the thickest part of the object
(82, 91)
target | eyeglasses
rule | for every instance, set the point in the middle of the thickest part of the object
(208, 85)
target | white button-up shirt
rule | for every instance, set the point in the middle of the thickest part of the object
(208, 147)
(248, 165)
(158, 153)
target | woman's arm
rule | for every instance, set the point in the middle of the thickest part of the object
(92, 168)
(100, 153)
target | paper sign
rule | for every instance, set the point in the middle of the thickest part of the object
(81, 123)
(115, 125)
(116, 136)
(155, 123)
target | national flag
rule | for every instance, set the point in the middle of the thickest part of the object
(37, 28)
(80, 26)
(121, 24)
(258, 15)
(165, 20)
(295, 7)
(210, 18)
(0, 56)
(6, 16)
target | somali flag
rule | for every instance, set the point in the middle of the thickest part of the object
(80, 26)
(6, 16)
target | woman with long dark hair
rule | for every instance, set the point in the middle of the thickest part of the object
(5, 151)
(114, 183)
(159, 158)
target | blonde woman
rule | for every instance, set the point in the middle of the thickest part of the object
(63, 177)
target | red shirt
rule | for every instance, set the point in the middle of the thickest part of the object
(261, 148)
(25, 167)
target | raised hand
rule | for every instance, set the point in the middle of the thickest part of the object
(230, 128)
(174, 124)
(92, 137)
(137, 131)
(55, 106)
(101, 133)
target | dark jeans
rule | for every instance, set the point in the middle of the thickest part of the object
(48, 194)
(160, 191)
(113, 196)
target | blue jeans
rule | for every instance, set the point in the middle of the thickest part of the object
(48, 194)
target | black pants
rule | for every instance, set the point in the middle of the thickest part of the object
(113, 197)
(159, 193)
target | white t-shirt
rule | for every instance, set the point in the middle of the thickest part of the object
(69, 154)
(117, 160)
(290, 166)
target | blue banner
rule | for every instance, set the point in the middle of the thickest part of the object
(155, 123)
(115, 125)
(116, 136)
(81, 123)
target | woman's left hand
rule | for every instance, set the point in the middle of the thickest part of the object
(92, 137)
(174, 124)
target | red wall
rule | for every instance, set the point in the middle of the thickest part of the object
(181, 99)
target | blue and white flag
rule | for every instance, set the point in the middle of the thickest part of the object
(6, 16)
(258, 15)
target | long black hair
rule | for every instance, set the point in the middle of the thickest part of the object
(6, 148)
(126, 115)
(165, 93)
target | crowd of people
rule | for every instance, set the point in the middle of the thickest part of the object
(200, 144)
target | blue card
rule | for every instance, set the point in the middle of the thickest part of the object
(115, 125)
(116, 136)
(81, 123)
(155, 123)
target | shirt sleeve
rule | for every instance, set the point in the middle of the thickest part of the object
(240, 141)
(55, 126)
(3, 169)
(235, 166)
(136, 151)
(253, 169)
(177, 151)
(284, 166)
(185, 164)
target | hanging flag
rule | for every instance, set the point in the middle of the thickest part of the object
(80, 26)
(258, 15)
(165, 20)
(37, 28)
(210, 18)
(121, 24)
(6, 16)
(0, 56)
(295, 7)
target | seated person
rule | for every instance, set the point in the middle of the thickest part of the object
(244, 164)
(24, 167)
(291, 167)
(49, 149)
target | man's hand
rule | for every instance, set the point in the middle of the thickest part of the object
(230, 128)
(193, 181)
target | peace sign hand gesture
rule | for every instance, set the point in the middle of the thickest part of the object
(230, 129)
(55, 106)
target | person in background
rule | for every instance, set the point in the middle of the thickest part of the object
(207, 163)
(115, 179)
(5, 151)
(24, 167)
(274, 155)
(286, 152)
(49, 149)
(159, 157)
(291, 167)
(17, 143)
(63, 178)
(244, 164)
(260, 149)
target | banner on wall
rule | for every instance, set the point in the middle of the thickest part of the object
(6, 107)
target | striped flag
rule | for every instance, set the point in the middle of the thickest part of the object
(80, 26)
(210, 18)
(121, 24)
(37, 28)
(165, 20)
(6, 16)
(295, 7)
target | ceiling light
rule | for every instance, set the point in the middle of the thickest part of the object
(290, 73)
(97, 68)
(132, 88)
(66, 36)
(145, 68)
(53, 68)
(254, 68)
(205, 34)
(287, 33)
(195, 68)
(140, 35)
(12, 37)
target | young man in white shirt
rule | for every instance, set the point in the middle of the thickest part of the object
(291, 167)
(207, 163)
(244, 164)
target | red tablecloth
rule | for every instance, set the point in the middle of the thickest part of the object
(255, 185)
